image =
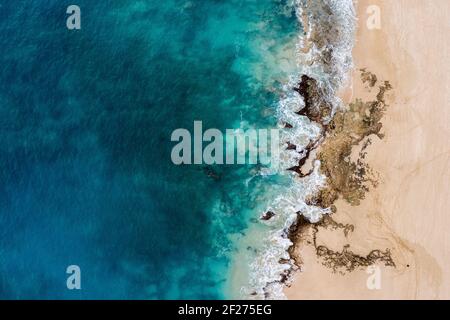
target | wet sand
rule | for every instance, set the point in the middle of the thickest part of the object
(407, 213)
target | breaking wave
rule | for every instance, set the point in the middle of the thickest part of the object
(324, 59)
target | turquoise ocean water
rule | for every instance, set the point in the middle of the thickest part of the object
(86, 118)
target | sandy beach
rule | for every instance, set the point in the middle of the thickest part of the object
(407, 212)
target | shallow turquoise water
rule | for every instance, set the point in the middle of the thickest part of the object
(86, 118)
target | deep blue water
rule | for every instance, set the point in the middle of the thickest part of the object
(85, 124)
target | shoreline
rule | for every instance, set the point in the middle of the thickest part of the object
(410, 165)
(308, 99)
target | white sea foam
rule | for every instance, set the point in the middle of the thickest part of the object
(331, 23)
(273, 262)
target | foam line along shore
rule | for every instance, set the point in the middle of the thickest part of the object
(308, 103)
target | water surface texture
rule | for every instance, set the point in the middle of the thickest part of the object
(85, 123)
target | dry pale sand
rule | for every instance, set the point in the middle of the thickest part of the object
(409, 211)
